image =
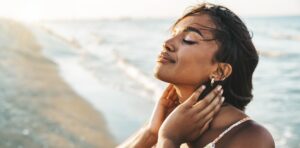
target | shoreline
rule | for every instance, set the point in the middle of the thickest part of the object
(39, 109)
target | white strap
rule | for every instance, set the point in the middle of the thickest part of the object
(228, 129)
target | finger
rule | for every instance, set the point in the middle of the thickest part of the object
(173, 103)
(208, 109)
(194, 97)
(172, 98)
(167, 90)
(205, 127)
(204, 110)
(211, 112)
(208, 99)
(204, 107)
(172, 94)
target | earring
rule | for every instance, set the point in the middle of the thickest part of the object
(212, 81)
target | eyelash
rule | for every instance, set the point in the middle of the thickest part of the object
(188, 42)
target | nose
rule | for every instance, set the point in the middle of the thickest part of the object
(168, 47)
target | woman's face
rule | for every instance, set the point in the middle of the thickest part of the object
(187, 59)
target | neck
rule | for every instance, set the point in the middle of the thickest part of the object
(184, 91)
(226, 116)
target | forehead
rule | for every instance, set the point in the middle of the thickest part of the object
(196, 21)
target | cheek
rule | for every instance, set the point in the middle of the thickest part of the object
(195, 59)
(194, 66)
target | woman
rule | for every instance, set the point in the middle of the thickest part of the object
(209, 44)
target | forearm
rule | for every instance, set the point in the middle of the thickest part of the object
(142, 139)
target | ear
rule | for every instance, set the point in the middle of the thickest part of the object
(222, 71)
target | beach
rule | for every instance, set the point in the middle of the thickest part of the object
(38, 108)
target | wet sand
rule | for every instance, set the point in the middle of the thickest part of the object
(37, 108)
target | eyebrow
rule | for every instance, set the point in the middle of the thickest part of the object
(192, 29)
(206, 27)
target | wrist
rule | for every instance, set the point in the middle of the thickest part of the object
(169, 136)
(151, 136)
(167, 142)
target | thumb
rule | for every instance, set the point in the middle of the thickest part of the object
(194, 97)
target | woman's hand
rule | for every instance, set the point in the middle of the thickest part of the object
(147, 136)
(166, 104)
(191, 118)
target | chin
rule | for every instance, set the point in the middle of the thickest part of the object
(160, 75)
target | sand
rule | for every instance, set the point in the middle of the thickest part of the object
(37, 108)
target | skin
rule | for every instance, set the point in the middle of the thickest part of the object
(190, 66)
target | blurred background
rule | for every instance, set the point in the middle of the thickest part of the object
(78, 73)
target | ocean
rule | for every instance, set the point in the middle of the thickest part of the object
(110, 63)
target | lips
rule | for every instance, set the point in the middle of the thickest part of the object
(165, 58)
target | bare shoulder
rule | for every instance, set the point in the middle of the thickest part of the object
(251, 134)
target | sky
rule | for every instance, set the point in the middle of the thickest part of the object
(32, 10)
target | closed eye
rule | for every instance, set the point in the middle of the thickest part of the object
(189, 42)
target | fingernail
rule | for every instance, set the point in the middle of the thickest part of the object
(222, 99)
(202, 87)
(219, 87)
(221, 92)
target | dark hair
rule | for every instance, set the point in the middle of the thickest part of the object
(235, 48)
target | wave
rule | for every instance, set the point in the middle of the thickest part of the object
(73, 42)
(137, 75)
(149, 87)
(272, 54)
(282, 55)
(285, 36)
